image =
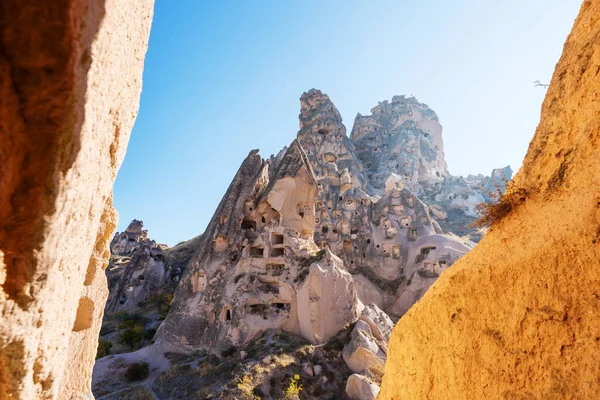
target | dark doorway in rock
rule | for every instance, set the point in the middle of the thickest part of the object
(248, 225)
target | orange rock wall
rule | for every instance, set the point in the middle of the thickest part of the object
(70, 82)
(519, 316)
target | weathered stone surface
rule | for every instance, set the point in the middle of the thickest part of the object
(364, 352)
(404, 137)
(326, 300)
(359, 387)
(379, 322)
(263, 271)
(519, 315)
(70, 81)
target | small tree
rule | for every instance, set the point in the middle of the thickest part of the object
(162, 302)
(137, 372)
(132, 337)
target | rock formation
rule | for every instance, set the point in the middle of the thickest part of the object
(139, 268)
(403, 138)
(306, 237)
(519, 315)
(301, 242)
(70, 84)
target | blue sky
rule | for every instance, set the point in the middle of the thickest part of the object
(224, 77)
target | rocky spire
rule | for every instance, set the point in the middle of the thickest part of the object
(402, 137)
(323, 136)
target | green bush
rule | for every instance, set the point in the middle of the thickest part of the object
(137, 372)
(104, 347)
(161, 301)
(132, 337)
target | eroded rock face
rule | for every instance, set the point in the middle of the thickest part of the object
(261, 269)
(403, 137)
(302, 240)
(139, 267)
(70, 84)
(519, 315)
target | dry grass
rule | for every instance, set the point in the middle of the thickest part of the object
(501, 205)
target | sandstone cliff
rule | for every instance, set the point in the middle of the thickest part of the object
(519, 316)
(70, 82)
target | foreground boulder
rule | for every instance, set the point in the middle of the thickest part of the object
(519, 316)
(359, 387)
(70, 82)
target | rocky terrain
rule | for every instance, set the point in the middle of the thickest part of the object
(334, 234)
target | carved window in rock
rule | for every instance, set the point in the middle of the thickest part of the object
(276, 238)
(227, 314)
(404, 222)
(396, 252)
(275, 269)
(277, 252)
(347, 246)
(425, 249)
(257, 252)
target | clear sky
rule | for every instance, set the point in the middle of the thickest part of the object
(224, 77)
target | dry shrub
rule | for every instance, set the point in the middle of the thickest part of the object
(501, 204)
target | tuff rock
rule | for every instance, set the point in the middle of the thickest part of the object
(303, 240)
(519, 315)
(70, 83)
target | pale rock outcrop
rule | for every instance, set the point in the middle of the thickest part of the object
(365, 354)
(519, 315)
(137, 269)
(292, 232)
(70, 84)
(400, 146)
(359, 387)
(379, 322)
(371, 230)
(326, 300)
(402, 136)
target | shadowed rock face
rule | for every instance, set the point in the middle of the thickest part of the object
(70, 81)
(519, 316)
